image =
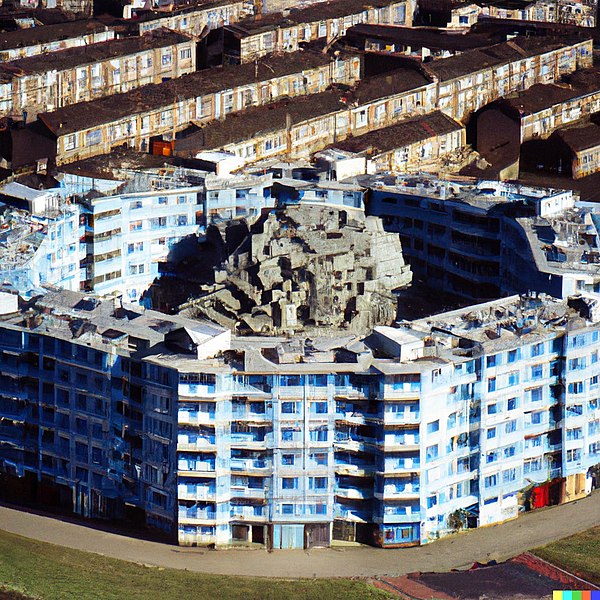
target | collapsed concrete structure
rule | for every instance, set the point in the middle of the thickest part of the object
(306, 266)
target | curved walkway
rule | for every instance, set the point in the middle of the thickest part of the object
(496, 542)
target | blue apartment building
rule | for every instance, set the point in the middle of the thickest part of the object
(486, 239)
(395, 439)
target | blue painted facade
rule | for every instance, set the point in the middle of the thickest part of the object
(459, 415)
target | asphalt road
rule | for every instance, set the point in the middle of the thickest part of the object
(495, 542)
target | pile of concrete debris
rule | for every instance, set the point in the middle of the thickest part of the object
(307, 266)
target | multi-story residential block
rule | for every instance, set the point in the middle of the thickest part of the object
(453, 421)
(62, 136)
(417, 42)
(408, 146)
(305, 125)
(537, 112)
(128, 235)
(582, 14)
(491, 239)
(194, 20)
(248, 40)
(471, 80)
(42, 39)
(581, 149)
(156, 111)
(62, 78)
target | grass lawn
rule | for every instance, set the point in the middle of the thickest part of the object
(41, 570)
(579, 554)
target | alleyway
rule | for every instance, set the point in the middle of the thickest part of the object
(497, 542)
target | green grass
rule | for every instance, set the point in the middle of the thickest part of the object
(578, 554)
(50, 572)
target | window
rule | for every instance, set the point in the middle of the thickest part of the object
(511, 426)
(70, 141)
(513, 378)
(509, 452)
(509, 475)
(433, 427)
(576, 387)
(536, 418)
(319, 408)
(537, 371)
(93, 138)
(290, 408)
(318, 483)
(492, 409)
(513, 355)
(432, 452)
(532, 464)
(536, 394)
(491, 433)
(319, 457)
(166, 59)
(574, 434)
(492, 361)
(431, 501)
(491, 457)
(135, 226)
(289, 483)
(287, 459)
(537, 349)
(185, 53)
(491, 384)
(594, 381)
(491, 481)
(287, 509)
(573, 455)
(511, 404)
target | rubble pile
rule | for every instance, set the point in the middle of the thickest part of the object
(308, 266)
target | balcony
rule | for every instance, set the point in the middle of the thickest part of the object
(187, 517)
(249, 464)
(352, 514)
(402, 390)
(400, 418)
(397, 443)
(197, 469)
(196, 390)
(247, 513)
(248, 440)
(353, 444)
(352, 393)
(195, 418)
(398, 492)
(198, 493)
(354, 493)
(402, 465)
(356, 469)
(391, 516)
(200, 444)
(242, 491)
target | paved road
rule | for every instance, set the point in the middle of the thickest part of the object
(497, 542)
